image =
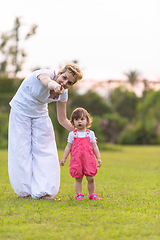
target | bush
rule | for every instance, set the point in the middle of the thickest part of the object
(9, 85)
(3, 130)
(145, 134)
(98, 129)
(127, 136)
(8, 88)
(140, 134)
(112, 125)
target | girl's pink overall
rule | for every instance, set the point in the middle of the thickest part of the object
(83, 161)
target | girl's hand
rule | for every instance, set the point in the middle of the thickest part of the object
(99, 162)
(62, 162)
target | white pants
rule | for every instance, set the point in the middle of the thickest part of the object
(33, 163)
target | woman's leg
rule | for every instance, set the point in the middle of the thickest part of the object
(46, 168)
(78, 185)
(90, 184)
(19, 153)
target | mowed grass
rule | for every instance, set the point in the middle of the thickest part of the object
(128, 182)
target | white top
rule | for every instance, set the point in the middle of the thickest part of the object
(32, 97)
(82, 135)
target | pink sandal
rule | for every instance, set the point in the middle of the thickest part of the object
(80, 196)
(93, 196)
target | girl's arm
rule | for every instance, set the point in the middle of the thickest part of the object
(61, 115)
(66, 153)
(97, 153)
(46, 80)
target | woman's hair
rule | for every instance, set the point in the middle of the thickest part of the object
(73, 69)
(79, 113)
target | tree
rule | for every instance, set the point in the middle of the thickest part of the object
(148, 109)
(91, 101)
(112, 125)
(146, 130)
(9, 47)
(124, 102)
(132, 77)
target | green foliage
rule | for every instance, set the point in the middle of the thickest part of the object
(91, 101)
(144, 113)
(144, 134)
(139, 134)
(8, 87)
(3, 130)
(113, 124)
(148, 113)
(149, 108)
(124, 102)
(98, 129)
(128, 183)
(127, 136)
(126, 119)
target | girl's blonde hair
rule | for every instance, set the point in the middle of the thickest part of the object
(81, 112)
(73, 69)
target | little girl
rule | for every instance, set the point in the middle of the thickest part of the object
(83, 149)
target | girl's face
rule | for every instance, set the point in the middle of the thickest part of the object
(80, 124)
(66, 79)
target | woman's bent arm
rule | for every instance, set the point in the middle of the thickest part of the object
(62, 117)
(46, 80)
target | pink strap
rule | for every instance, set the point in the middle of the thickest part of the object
(75, 133)
(87, 133)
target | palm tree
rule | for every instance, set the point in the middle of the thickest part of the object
(132, 77)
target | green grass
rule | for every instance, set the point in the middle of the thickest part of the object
(129, 184)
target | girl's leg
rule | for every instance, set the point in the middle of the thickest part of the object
(90, 184)
(78, 185)
(91, 188)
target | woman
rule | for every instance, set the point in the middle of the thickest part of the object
(33, 163)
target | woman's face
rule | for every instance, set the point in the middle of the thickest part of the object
(66, 79)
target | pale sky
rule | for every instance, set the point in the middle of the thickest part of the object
(107, 37)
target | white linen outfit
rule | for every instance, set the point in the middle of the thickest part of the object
(33, 163)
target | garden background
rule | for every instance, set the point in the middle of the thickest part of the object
(119, 115)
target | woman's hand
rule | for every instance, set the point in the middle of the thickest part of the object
(46, 80)
(59, 89)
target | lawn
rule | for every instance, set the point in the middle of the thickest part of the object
(128, 182)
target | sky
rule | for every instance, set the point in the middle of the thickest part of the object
(107, 37)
